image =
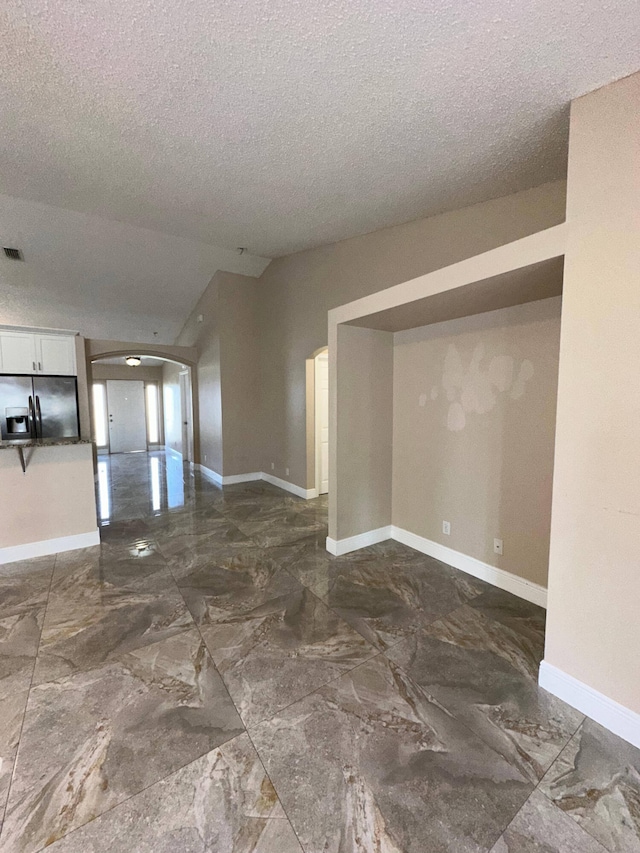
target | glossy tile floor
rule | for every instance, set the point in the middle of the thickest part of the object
(210, 679)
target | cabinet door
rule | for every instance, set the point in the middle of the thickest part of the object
(56, 355)
(17, 352)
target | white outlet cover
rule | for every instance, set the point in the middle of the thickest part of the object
(446, 528)
(497, 546)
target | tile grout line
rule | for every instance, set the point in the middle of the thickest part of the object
(553, 803)
(137, 794)
(466, 725)
(376, 653)
(246, 730)
(375, 650)
(384, 653)
(282, 806)
(163, 778)
(315, 690)
(26, 704)
(116, 805)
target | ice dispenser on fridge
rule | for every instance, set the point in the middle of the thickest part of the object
(17, 422)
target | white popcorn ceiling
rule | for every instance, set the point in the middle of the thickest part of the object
(279, 125)
(284, 124)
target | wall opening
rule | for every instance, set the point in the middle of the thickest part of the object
(317, 400)
(143, 407)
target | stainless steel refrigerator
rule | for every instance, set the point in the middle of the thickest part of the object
(38, 407)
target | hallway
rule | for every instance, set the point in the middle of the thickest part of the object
(210, 679)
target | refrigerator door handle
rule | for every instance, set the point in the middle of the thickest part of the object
(38, 418)
(32, 422)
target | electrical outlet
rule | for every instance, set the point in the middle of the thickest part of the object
(446, 528)
(272, 466)
(497, 546)
(205, 457)
(286, 470)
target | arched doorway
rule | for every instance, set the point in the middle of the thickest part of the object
(142, 403)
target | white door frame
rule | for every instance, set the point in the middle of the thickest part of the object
(186, 415)
(322, 356)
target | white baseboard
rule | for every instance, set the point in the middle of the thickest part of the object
(610, 714)
(209, 474)
(307, 494)
(338, 547)
(528, 590)
(498, 577)
(49, 546)
(230, 480)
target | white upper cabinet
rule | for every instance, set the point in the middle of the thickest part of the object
(25, 352)
(56, 355)
(18, 352)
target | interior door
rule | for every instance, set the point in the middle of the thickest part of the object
(322, 422)
(185, 414)
(127, 421)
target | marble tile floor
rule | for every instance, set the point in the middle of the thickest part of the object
(210, 679)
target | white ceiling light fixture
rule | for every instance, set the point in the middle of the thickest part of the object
(133, 360)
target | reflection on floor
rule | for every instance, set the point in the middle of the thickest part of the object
(210, 679)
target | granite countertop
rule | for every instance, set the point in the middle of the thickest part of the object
(42, 442)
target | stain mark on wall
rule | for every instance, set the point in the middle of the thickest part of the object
(476, 389)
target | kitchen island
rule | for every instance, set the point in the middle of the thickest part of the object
(47, 498)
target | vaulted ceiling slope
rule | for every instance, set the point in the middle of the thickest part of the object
(287, 124)
(102, 278)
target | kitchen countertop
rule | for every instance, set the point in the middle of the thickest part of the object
(40, 442)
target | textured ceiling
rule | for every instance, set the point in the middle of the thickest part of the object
(286, 124)
(102, 278)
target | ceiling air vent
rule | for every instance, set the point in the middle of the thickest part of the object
(14, 254)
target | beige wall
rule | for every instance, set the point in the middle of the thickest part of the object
(473, 433)
(227, 342)
(54, 498)
(204, 337)
(256, 336)
(295, 293)
(241, 385)
(593, 628)
(172, 407)
(361, 488)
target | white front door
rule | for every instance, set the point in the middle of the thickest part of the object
(127, 418)
(322, 422)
